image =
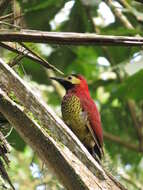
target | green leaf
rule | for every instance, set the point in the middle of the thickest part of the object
(62, 57)
(131, 87)
(16, 141)
(40, 13)
(35, 70)
(85, 62)
(38, 4)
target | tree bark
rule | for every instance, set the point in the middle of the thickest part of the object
(49, 137)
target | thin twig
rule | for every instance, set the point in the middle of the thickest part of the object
(132, 10)
(118, 140)
(16, 60)
(120, 15)
(6, 16)
(138, 127)
(41, 58)
(11, 25)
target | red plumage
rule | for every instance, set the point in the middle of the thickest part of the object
(88, 106)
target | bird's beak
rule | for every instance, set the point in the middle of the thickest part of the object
(58, 79)
(63, 81)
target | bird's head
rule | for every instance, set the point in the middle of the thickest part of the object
(72, 81)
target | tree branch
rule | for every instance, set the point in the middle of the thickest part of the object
(118, 140)
(68, 38)
(137, 125)
(6, 16)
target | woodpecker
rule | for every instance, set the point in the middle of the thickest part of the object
(80, 113)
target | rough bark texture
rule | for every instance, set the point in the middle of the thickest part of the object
(68, 38)
(53, 141)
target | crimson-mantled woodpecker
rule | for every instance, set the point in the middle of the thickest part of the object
(80, 113)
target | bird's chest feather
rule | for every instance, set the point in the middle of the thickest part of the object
(73, 115)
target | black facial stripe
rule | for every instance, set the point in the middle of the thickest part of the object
(67, 85)
(75, 75)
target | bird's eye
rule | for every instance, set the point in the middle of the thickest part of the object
(70, 78)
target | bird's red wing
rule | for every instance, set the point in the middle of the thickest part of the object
(94, 137)
(94, 122)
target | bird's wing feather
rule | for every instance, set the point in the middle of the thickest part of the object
(93, 135)
(94, 122)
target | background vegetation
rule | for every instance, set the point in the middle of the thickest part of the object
(114, 75)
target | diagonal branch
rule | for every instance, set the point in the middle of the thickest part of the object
(120, 15)
(68, 38)
(118, 140)
(6, 16)
(41, 58)
(137, 125)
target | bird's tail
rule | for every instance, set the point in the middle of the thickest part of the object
(97, 153)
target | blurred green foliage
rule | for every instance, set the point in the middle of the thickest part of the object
(111, 82)
(131, 88)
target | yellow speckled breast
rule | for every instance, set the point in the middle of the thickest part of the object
(75, 118)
